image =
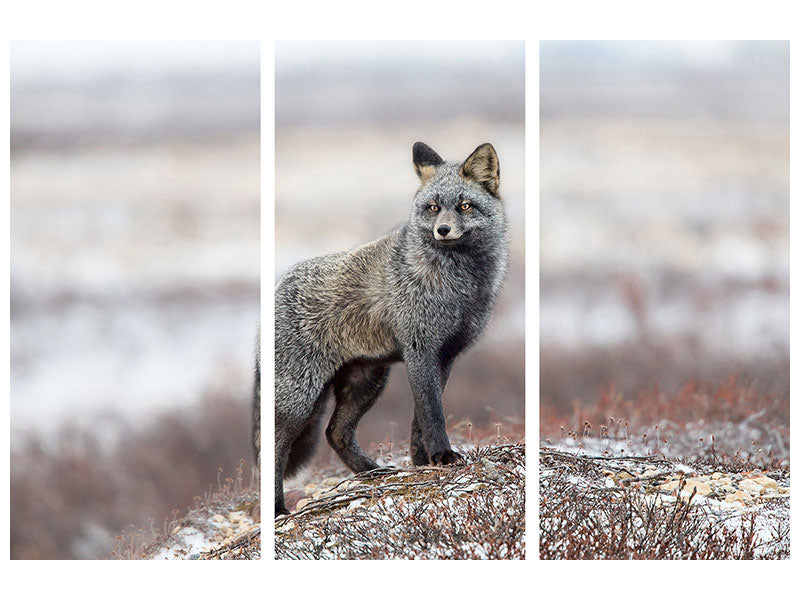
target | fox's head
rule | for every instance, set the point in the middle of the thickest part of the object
(456, 202)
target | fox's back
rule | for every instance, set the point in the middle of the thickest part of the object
(338, 303)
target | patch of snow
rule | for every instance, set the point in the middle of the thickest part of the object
(188, 542)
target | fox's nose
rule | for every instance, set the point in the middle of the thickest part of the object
(443, 230)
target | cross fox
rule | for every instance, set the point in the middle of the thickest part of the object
(419, 295)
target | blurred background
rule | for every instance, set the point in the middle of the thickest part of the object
(347, 115)
(664, 217)
(134, 283)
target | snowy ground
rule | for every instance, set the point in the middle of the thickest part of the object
(227, 527)
(717, 512)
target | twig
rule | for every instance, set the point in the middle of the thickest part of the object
(587, 457)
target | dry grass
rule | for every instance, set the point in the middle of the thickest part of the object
(731, 421)
(648, 367)
(73, 492)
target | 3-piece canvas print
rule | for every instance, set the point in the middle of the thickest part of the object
(385, 392)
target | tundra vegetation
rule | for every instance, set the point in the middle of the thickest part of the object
(699, 474)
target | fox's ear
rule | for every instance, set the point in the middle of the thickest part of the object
(425, 160)
(484, 167)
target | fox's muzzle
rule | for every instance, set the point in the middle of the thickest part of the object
(444, 231)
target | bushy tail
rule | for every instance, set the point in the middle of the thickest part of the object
(257, 410)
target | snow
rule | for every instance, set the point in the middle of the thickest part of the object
(188, 542)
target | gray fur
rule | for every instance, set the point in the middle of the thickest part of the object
(420, 294)
(256, 424)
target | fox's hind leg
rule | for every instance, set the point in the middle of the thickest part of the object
(296, 434)
(305, 443)
(356, 387)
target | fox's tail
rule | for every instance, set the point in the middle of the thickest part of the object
(257, 412)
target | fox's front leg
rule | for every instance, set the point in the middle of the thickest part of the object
(429, 442)
(419, 456)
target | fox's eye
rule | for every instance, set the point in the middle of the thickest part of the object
(465, 206)
(433, 208)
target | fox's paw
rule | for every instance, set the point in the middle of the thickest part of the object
(445, 457)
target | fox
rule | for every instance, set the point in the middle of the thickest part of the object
(421, 295)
